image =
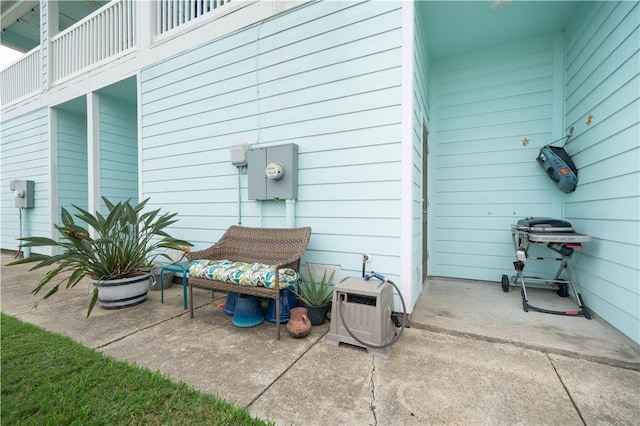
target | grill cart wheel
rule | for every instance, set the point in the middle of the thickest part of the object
(563, 291)
(505, 283)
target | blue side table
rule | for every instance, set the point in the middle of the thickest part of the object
(182, 267)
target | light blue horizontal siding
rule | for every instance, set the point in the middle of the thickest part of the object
(73, 183)
(485, 179)
(602, 79)
(325, 76)
(24, 155)
(118, 149)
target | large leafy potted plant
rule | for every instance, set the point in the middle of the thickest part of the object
(315, 296)
(115, 256)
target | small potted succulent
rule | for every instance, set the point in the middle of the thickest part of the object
(316, 296)
(116, 255)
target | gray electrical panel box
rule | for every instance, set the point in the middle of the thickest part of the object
(273, 172)
(22, 193)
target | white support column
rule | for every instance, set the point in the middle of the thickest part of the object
(53, 172)
(49, 27)
(139, 124)
(407, 276)
(93, 151)
(145, 24)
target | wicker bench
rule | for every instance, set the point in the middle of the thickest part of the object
(282, 247)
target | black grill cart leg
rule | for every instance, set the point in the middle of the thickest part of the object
(584, 311)
(525, 305)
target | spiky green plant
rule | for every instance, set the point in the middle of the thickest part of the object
(312, 293)
(126, 242)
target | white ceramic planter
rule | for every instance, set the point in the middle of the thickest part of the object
(122, 293)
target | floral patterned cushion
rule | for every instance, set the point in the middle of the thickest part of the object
(248, 274)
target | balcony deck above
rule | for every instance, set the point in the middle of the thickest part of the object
(110, 35)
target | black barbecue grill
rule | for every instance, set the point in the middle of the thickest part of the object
(558, 236)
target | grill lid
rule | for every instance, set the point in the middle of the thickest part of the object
(544, 224)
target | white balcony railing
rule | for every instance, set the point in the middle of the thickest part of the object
(173, 13)
(105, 35)
(108, 32)
(22, 78)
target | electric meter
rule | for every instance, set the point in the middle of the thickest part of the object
(274, 171)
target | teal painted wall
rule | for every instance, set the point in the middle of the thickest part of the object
(325, 76)
(24, 155)
(487, 102)
(485, 176)
(118, 149)
(72, 159)
(603, 80)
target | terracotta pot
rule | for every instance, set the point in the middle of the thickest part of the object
(299, 324)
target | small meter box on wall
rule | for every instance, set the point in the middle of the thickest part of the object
(273, 172)
(22, 193)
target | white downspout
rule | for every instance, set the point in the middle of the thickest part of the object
(291, 213)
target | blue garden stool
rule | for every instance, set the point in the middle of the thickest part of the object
(247, 311)
(230, 304)
(288, 301)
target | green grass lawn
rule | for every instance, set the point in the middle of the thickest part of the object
(50, 379)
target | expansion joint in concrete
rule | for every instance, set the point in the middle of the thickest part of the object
(104, 345)
(627, 365)
(285, 371)
(372, 405)
(566, 390)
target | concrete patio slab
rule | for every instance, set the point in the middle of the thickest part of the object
(211, 354)
(472, 356)
(431, 378)
(480, 309)
(602, 394)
